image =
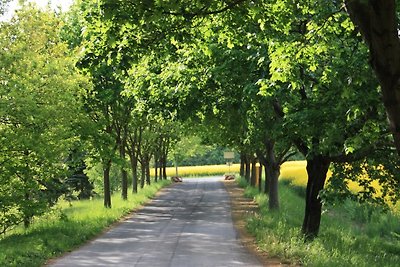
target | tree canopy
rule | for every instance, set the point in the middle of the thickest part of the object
(125, 83)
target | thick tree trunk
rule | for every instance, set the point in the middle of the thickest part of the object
(242, 163)
(317, 169)
(378, 24)
(106, 181)
(273, 193)
(272, 172)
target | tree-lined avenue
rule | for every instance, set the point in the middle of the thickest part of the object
(188, 224)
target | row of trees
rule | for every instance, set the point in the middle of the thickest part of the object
(267, 78)
(60, 114)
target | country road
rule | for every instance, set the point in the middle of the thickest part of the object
(188, 224)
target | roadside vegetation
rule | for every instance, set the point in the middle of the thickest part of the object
(66, 227)
(352, 234)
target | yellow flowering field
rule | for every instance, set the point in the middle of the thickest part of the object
(205, 170)
(295, 171)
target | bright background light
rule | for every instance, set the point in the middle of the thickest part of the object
(55, 4)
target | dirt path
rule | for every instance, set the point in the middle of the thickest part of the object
(241, 207)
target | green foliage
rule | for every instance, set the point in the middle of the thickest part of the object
(66, 228)
(39, 114)
(352, 234)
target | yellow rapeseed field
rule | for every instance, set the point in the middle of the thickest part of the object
(295, 171)
(205, 170)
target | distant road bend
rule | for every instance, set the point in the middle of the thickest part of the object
(189, 224)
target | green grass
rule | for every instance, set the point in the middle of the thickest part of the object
(66, 228)
(350, 234)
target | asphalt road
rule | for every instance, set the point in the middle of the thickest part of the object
(189, 224)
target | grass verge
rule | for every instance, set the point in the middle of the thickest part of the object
(350, 234)
(67, 227)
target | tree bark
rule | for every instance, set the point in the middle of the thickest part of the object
(260, 170)
(124, 173)
(156, 169)
(247, 169)
(317, 168)
(143, 174)
(134, 165)
(106, 181)
(253, 172)
(242, 163)
(148, 180)
(273, 170)
(160, 169)
(266, 185)
(165, 171)
(377, 22)
(273, 193)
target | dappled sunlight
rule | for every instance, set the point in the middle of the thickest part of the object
(189, 222)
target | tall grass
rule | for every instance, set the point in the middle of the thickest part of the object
(350, 235)
(67, 227)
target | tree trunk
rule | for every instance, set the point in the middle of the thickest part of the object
(160, 169)
(274, 169)
(124, 192)
(134, 165)
(273, 194)
(253, 172)
(164, 167)
(148, 180)
(106, 180)
(317, 169)
(242, 163)
(27, 217)
(247, 169)
(124, 173)
(377, 22)
(176, 167)
(260, 178)
(266, 185)
(143, 174)
(156, 169)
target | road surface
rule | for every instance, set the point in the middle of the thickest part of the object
(188, 224)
